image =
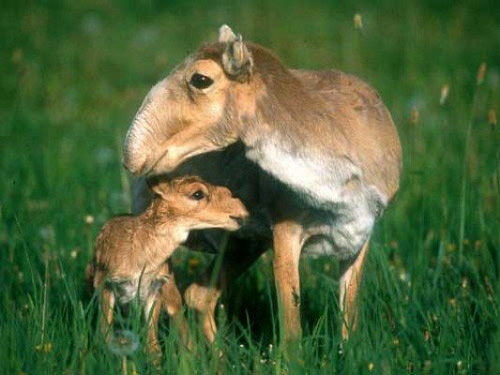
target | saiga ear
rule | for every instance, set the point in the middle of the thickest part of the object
(237, 59)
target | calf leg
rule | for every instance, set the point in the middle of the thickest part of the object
(287, 248)
(203, 298)
(107, 303)
(203, 295)
(350, 279)
(106, 300)
(152, 311)
(171, 301)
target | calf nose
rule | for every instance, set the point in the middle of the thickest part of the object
(239, 220)
(241, 210)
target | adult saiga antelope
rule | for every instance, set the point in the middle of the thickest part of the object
(314, 156)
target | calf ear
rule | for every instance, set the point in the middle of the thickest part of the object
(236, 59)
(159, 188)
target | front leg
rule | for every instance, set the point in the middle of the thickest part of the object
(288, 241)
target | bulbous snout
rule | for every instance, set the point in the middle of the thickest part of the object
(142, 146)
(138, 145)
(135, 162)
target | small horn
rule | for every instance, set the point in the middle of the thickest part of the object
(226, 35)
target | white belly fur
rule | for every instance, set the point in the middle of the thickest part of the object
(347, 213)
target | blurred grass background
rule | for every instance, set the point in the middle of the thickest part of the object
(75, 72)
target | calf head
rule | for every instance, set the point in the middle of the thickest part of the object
(196, 109)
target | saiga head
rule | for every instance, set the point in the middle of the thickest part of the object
(196, 109)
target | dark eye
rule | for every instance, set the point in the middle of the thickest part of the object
(198, 195)
(200, 81)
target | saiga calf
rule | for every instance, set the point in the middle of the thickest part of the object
(131, 252)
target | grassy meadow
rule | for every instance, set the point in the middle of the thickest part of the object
(75, 72)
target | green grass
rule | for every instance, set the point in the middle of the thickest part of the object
(73, 74)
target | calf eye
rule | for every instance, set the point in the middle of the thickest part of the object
(198, 195)
(200, 81)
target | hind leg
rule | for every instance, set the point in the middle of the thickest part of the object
(350, 280)
(152, 311)
(107, 303)
(106, 299)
